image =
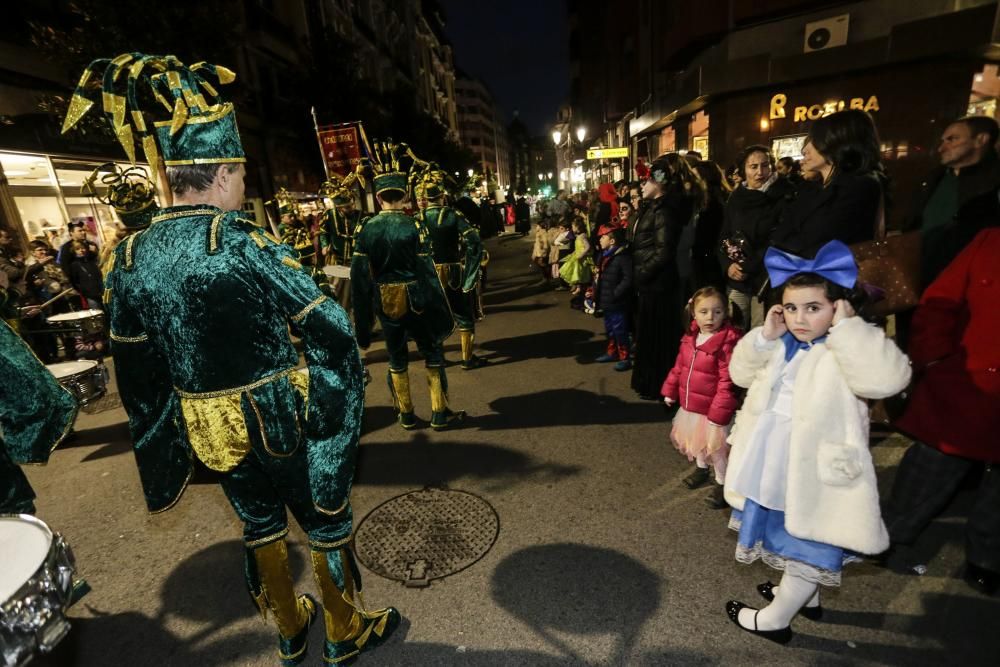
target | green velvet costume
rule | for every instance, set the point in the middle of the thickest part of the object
(338, 237)
(199, 305)
(393, 278)
(458, 254)
(36, 413)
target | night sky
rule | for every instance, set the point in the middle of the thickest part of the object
(519, 49)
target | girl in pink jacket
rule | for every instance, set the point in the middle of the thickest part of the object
(700, 382)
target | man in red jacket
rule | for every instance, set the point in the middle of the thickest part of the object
(954, 412)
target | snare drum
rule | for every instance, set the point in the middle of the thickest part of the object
(82, 321)
(86, 380)
(36, 587)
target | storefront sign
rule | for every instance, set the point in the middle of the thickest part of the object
(343, 147)
(599, 153)
(814, 111)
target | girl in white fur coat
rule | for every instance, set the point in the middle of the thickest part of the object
(801, 479)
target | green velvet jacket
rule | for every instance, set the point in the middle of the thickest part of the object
(392, 274)
(454, 242)
(338, 231)
(36, 412)
(200, 305)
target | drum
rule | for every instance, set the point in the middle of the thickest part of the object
(36, 587)
(86, 380)
(82, 321)
(338, 271)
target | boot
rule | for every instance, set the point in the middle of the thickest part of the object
(441, 415)
(271, 588)
(469, 360)
(399, 386)
(350, 630)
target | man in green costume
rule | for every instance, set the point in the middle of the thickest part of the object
(458, 257)
(339, 223)
(36, 413)
(393, 278)
(200, 305)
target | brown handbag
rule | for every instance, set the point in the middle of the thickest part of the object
(890, 263)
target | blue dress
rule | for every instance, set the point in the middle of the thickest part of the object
(761, 480)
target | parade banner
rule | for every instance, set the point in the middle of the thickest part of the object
(343, 145)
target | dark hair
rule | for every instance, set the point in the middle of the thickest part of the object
(36, 245)
(741, 159)
(73, 224)
(195, 177)
(680, 176)
(980, 125)
(392, 196)
(715, 180)
(849, 140)
(856, 296)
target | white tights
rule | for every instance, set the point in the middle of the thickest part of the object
(793, 594)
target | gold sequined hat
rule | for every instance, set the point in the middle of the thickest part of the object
(129, 191)
(391, 167)
(195, 126)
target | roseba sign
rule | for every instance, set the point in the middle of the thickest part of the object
(814, 111)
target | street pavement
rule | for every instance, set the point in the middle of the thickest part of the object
(603, 556)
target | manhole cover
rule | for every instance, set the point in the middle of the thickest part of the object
(425, 535)
(103, 404)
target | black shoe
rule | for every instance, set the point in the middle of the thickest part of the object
(983, 580)
(442, 420)
(697, 478)
(474, 362)
(717, 499)
(782, 636)
(766, 591)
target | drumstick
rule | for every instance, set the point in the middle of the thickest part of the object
(50, 301)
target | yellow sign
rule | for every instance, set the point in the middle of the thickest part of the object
(598, 153)
(814, 111)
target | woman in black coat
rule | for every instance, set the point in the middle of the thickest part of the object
(671, 194)
(843, 149)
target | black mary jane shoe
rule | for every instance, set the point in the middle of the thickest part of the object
(766, 591)
(782, 636)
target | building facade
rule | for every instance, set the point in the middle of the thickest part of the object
(483, 130)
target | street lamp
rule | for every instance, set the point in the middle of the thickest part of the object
(540, 177)
(470, 172)
(581, 132)
(556, 137)
(550, 175)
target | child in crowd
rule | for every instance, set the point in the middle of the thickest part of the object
(578, 268)
(541, 249)
(700, 383)
(562, 248)
(800, 475)
(612, 291)
(85, 275)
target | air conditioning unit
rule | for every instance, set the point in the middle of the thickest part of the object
(826, 34)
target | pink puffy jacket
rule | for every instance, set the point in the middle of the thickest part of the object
(700, 376)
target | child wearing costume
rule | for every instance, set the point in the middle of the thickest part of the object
(577, 270)
(700, 382)
(800, 478)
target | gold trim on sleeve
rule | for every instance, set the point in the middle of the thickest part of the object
(301, 315)
(291, 263)
(213, 233)
(141, 338)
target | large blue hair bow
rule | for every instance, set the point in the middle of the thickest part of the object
(834, 261)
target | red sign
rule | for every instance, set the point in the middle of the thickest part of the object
(342, 146)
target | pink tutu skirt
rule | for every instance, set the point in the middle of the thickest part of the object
(700, 440)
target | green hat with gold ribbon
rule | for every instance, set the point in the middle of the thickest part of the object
(391, 167)
(129, 191)
(172, 110)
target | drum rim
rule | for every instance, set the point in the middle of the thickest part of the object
(75, 315)
(89, 366)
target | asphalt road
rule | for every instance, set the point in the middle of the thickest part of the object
(603, 557)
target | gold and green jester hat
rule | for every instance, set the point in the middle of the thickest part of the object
(458, 255)
(129, 191)
(201, 307)
(393, 278)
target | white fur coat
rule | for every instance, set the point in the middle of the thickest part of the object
(831, 492)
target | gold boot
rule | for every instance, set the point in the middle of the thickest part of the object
(441, 415)
(350, 630)
(469, 360)
(399, 385)
(292, 615)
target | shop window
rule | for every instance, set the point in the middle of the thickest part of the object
(985, 91)
(668, 141)
(698, 132)
(788, 146)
